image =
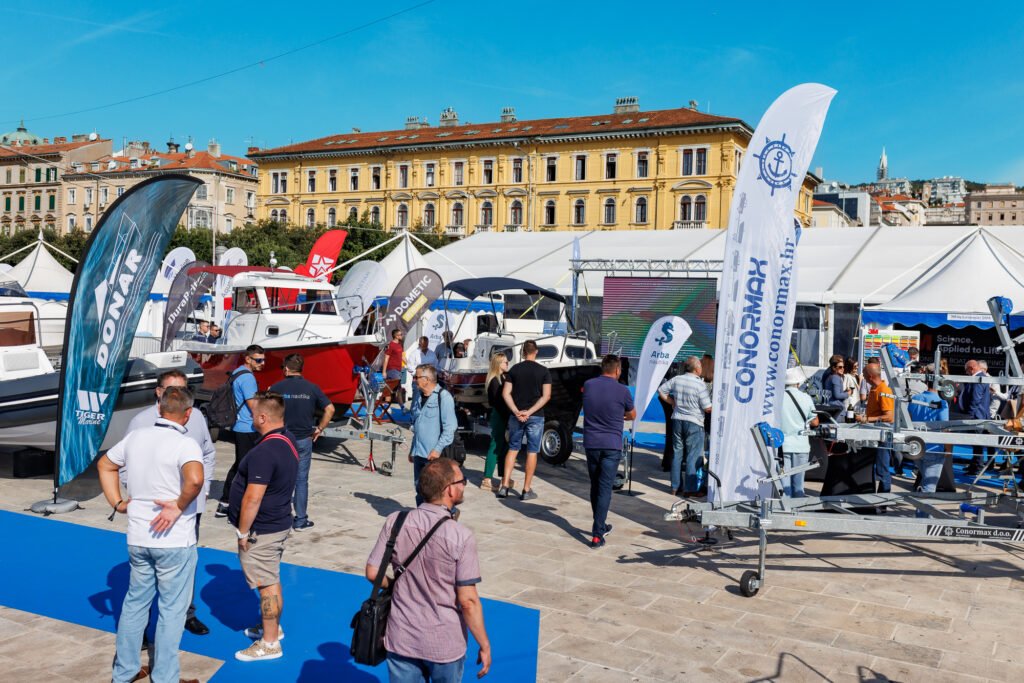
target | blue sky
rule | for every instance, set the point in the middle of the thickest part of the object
(941, 86)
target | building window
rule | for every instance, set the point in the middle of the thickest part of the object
(21, 205)
(39, 175)
(403, 176)
(641, 165)
(229, 195)
(353, 214)
(375, 215)
(353, 179)
(52, 202)
(686, 209)
(429, 216)
(21, 176)
(551, 169)
(310, 181)
(310, 218)
(702, 161)
(88, 195)
(739, 161)
(641, 210)
(488, 174)
(273, 215)
(579, 212)
(457, 169)
(457, 214)
(610, 164)
(88, 223)
(250, 199)
(37, 203)
(687, 162)
(429, 175)
(8, 181)
(104, 195)
(487, 214)
(7, 203)
(72, 195)
(700, 209)
(202, 219)
(201, 192)
(549, 212)
(581, 167)
(332, 180)
(517, 170)
(279, 182)
(332, 217)
(403, 216)
(516, 213)
(609, 211)
(229, 224)
(375, 178)
(284, 216)
(71, 223)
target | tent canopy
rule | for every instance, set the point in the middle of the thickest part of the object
(41, 275)
(473, 287)
(402, 260)
(954, 288)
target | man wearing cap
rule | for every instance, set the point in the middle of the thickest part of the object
(797, 415)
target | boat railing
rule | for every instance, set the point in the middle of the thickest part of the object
(576, 334)
(305, 330)
(37, 319)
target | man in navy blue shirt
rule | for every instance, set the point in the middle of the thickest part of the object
(975, 401)
(302, 400)
(606, 406)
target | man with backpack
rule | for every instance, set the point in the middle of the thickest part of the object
(242, 384)
(433, 422)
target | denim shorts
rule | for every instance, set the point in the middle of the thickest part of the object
(533, 428)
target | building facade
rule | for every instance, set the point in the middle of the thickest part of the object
(668, 169)
(829, 215)
(945, 190)
(1000, 204)
(226, 199)
(32, 171)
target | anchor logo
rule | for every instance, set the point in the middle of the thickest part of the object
(666, 330)
(775, 163)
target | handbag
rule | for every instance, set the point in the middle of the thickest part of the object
(456, 450)
(370, 623)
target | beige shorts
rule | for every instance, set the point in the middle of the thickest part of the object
(261, 563)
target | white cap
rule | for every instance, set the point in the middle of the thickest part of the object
(795, 377)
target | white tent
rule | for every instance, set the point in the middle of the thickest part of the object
(41, 275)
(954, 287)
(404, 258)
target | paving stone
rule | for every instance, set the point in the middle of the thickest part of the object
(903, 616)
(972, 643)
(557, 622)
(978, 666)
(889, 649)
(789, 629)
(555, 668)
(907, 671)
(665, 668)
(763, 667)
(599, 674)
(790, 596)
(597, 652)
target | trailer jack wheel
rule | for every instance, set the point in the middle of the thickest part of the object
(750, 583)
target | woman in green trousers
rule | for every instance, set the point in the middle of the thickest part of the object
(496, 376)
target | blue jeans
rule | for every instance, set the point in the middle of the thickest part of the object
(688, 447)
(793, 485)
(304, 447)
(169, 572)
(533, 429)
(603, 465)
(931, 469)
(883, 475)
(408, 670)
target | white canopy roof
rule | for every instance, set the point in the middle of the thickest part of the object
(845, 265)
(404, 258)
(39, 272)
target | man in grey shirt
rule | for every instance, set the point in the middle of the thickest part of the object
(688, 395)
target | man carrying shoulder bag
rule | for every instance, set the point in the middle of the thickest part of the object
(434, 599)
(433, 423)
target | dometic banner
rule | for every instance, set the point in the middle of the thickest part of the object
(757, 298)
(323, 255)
(186, 289)
(111, 286)
(359, 288)
(666, 336)
(411, 300)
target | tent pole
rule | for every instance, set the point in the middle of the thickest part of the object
(365, 253)
(444, 256)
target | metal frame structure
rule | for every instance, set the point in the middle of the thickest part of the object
(363, 428)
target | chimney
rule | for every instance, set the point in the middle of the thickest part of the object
(213, 147)
(252, 150)
(626, 105)
(46, 141)
(693, 105)
(79, 137)
(820, 172)
(412, 123)
(60, 140)
(357, 130)
(449, 118)
(172, 146)
(508, 115)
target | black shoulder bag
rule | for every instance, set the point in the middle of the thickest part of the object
(371, 621)
(456, 450)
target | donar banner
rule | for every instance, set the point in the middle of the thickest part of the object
(666, 336)
(114, 278)
(757, 297)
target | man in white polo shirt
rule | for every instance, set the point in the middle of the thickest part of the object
(164, 476)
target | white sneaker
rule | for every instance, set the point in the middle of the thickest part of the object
(259, 651)
(256, 632)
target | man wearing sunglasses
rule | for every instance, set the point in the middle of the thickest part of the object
(245, 434)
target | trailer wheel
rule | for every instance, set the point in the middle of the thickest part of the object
(555, 443)
(913, 448)
(750, 583)
(946, 390)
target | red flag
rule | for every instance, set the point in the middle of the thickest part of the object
(324, 254)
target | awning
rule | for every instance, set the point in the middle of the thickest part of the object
(471, 288)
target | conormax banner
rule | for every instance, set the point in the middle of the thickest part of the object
(666, 336)
(111, 287)
(757, 297)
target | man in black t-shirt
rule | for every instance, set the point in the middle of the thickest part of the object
(302, 400)
(526, 391)
(260, 509)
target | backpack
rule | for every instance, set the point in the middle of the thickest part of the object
(222, 411)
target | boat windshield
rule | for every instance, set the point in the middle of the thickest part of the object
(17, 328)
(304, 301)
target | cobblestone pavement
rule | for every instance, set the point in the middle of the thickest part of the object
(645, 607)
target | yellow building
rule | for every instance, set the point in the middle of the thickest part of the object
(631, 169)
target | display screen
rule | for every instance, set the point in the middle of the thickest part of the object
(632, 304)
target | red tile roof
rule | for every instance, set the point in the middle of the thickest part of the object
(40, 150)
(179, 161)
(434, 135)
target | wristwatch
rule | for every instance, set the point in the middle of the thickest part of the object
(240, 534)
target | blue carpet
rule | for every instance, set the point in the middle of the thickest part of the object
(80, 574)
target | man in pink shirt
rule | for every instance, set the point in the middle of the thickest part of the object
(436, 599)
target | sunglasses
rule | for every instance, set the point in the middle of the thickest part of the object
(458, 481)
(258, 360)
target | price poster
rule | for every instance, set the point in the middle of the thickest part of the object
(874, 339)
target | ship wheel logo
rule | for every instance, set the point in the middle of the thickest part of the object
(775, 163)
